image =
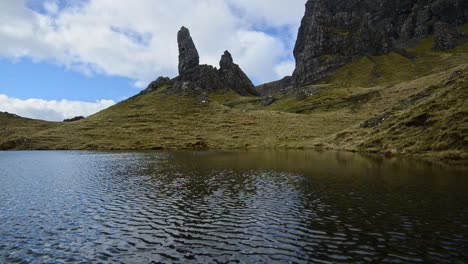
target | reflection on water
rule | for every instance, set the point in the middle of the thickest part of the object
(244, 207)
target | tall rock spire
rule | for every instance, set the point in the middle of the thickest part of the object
(188, 54)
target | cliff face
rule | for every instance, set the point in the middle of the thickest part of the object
(276, 87)
(334, 32)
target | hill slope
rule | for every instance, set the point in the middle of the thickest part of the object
(413, 101)
(15, 131)
(428, 114)
(158, 121)
(431, 117)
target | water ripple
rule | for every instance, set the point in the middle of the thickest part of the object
(79, 207)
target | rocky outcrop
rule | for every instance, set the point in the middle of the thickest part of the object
(160, 82)
(198, 80)
(275, 87)
(74, 119)
(334, 32)
(447, 37)
(268, 100)
(188, 54)
(202, 78)
(233, 77)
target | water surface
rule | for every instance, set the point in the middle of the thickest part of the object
(244, 207)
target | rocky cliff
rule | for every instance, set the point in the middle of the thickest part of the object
(276, 87)
(195, 79)
(334, 32)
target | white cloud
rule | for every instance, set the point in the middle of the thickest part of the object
(285, 68)
(51, 7)
(137, 39)
(51, 110)
(271, 13)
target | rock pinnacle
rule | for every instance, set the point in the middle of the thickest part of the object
(188, 54)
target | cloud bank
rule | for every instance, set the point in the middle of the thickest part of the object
(51, 110)
(137, 39)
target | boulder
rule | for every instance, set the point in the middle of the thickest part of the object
(269, 100)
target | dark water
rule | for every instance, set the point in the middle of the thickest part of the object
(264, 207)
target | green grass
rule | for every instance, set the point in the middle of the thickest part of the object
(431, 118)
(327, 99)
(157, 121)
(460, 49)
(233, 100)
(419, 98)
(16, 131)
(395, 68)
(424, 45)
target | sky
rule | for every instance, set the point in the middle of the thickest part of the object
(66, 58)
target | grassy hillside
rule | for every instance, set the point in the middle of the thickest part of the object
(15, 131)
(411, 101)
(400, 66)
(157, 121)
(431, 116)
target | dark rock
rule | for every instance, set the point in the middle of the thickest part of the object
(446, 36)
(269, 100)
(233, 77)
(9, 115)
(375, 121)
(199, 80)
(160, 82)
(199, 145)
(188, 54)
(334, 32)
(419, 121)
(226, 61)
(202, 78)
(74, 119)
(275, 87)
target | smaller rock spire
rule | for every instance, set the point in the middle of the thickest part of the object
(226, 60)
(188, 54)
(233, 77)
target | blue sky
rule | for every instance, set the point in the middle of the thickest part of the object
(25, 79)
(61, 58)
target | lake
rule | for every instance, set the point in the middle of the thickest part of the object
(230, 207)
